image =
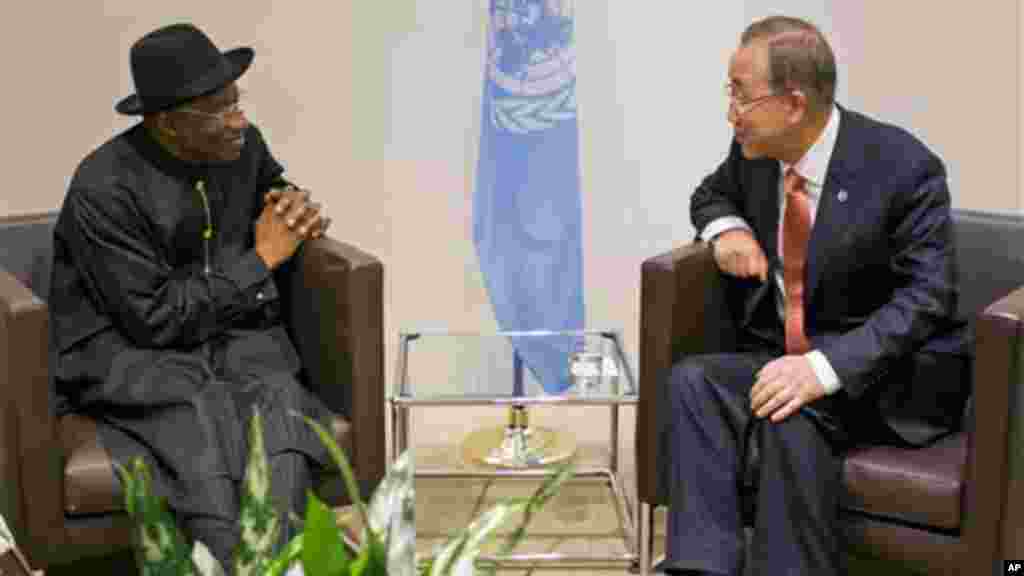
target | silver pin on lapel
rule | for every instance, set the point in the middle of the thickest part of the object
(842, 196)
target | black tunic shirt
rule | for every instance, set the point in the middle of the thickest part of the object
(130, 245)
(165, 319)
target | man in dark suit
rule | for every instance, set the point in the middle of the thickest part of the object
(834, 234)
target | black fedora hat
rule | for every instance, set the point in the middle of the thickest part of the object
(177, 63)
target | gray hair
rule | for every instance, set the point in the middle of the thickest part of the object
(799, 58)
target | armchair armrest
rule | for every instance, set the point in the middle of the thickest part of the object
(333, 300)
(30, 455)
(994, 523)
(682, 312)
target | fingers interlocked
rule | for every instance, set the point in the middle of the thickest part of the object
(300, 214)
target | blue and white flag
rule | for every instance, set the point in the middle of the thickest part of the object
(527, 207)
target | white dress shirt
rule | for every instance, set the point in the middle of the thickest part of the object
(813, 166)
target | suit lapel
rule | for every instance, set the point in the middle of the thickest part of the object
(835, 207)
(830, 219)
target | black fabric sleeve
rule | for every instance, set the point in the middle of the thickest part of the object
(153, 304)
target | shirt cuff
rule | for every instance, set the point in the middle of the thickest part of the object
(823, 370)
(723, 224)
(252, 277)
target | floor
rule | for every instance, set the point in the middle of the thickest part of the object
(581, 520)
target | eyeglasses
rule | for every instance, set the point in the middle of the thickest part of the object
(222, 115)
(742, 107)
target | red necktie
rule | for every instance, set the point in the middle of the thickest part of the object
(796, 231)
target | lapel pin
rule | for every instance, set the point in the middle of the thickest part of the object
(841, 196)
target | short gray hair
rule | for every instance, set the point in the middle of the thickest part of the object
(799, 57)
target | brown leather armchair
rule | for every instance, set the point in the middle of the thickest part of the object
(956, 507)
(57, 490)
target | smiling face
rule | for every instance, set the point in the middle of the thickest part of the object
(210, 128)
(761, 119)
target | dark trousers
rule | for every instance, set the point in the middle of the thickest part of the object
(705, 413)
(290, 477)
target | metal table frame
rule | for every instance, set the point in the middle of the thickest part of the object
(399, 430)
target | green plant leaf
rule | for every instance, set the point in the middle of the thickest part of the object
(547, 489)
(541, 496)
(6, 538)
(323, 552)
(338, 455)
(127, 487)
(204, 561)
(286, 558)
(393, 514)
(258, 519)
(372, 561)
(377, 565)
(358, 567)
(457, 556)
(161, 547)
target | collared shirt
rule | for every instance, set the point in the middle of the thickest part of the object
(813, 166)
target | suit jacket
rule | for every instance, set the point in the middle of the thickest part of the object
(880, 285)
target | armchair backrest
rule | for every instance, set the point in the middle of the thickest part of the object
(990, 254)
(26, 250)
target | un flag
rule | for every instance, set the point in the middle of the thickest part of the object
(527, 206)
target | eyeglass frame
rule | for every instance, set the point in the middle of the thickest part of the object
(742, 108)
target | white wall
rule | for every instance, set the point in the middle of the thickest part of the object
(949, 72)
(652, 124)
(374, 105)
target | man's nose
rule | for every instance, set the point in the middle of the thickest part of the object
(238, 122)
(732, 116)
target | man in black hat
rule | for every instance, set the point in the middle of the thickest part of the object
(163, 297)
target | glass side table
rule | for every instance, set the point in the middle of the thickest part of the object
(500, 369)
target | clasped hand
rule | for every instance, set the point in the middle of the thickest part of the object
(300, 214)
(288, 219)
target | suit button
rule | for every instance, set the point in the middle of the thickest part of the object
(259, 295)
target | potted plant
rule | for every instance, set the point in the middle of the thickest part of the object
(386, 545)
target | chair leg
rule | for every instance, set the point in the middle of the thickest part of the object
(645, 533)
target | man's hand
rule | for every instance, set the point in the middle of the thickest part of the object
(783, 386)
(275, 241)
(301, 215)
(738, 253)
